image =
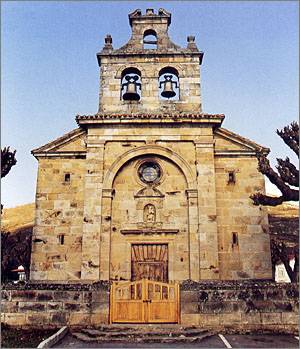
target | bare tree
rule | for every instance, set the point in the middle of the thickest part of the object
(286, 179)
(8, 160)
(288, 174)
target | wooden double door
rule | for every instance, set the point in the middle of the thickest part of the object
(149, 261)
(144, 301)
(148, 297)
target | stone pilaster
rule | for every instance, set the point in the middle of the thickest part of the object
(207, 214)
(193, 238)
(105, 248)
(92, 209)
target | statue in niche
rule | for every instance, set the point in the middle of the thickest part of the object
(149, 214)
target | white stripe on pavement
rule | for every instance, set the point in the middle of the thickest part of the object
(225, 341)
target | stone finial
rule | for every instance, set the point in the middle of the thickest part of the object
(149, 15)
(191, 43)
(149, 11)
(108, 42)
(136, 13)
(163, 12)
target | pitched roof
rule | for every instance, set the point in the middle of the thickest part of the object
(67, 137)
(223, 132)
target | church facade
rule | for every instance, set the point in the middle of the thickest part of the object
(150, 186)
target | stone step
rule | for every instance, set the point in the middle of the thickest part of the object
(142, 327)
(137, 332)
(141, 339)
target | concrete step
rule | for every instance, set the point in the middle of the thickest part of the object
(171, 332)
(141, 327)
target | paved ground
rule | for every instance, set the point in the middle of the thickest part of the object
(225, 341)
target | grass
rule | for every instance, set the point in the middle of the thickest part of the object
(17, 217)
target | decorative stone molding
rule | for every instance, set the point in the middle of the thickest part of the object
(108, 193)
(204, 144)
(234, 153)
(81, 119)
(149, 192)
(62, 154)
(192, 193)
(94, 142)
(144, 150)
(148, 231)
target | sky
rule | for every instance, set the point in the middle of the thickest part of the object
(49, 71)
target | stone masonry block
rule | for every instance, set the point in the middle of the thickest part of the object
(271, 318)
(290, 318)
(77, 318)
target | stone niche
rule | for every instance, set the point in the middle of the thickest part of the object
(149, 206)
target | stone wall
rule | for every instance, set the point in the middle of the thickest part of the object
(55, 305)
(248, 257)
(59, 215)
(231, 306)
(244, 306)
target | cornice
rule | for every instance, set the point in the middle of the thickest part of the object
(113, 118)
(60, 154)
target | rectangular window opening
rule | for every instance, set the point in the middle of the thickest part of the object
(235, 241)
(67, 177)
(231, 177)
(61, 239)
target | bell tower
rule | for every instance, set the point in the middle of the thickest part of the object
(149, 73)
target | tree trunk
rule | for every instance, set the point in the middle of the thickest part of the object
(273, 271)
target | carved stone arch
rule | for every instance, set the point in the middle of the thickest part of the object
(150, 150)
(125, 66)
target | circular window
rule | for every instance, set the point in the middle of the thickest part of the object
(149, 172)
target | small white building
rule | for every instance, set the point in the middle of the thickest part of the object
(280, 273)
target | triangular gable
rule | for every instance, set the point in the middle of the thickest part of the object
(73, 141)
(228, 140)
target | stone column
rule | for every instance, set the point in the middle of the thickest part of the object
(92, 209)
(192, 197)
(207, 212)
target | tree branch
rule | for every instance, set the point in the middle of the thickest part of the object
(266, 200)
(8, 160)
(288, 172)
(265, 168)
(296, 266)
(290, 136)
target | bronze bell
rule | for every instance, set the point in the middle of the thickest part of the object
(131, 85)
(168, 91)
